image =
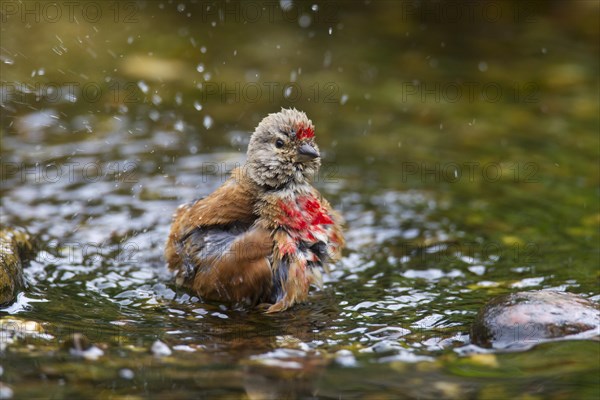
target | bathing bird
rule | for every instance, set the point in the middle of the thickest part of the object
(265, 235)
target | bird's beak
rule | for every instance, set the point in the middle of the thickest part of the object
(306, 153)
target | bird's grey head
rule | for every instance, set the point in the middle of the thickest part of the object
(282, 150)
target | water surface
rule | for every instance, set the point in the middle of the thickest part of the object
(462, 150)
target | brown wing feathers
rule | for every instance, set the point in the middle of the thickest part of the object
(212, 239)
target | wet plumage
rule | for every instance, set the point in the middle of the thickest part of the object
(265, 235)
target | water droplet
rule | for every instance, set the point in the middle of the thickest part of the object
(70, 97)
(200, 68)
(181, 7)
(203, 49)
(207, 122)
(330, 30)
(304, 21)
(154, 115)
(315, 7)
(286, 5)
(197, 105)
(327, 59)
(344, 99)
(7, 60)
(482, 66)
(179, 126)
(143, 86)
(126, 373)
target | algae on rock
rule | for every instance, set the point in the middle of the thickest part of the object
(15, 244)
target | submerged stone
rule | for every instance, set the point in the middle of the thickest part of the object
(79, 346)
(522, 320)
(160, 349)
(14, 245)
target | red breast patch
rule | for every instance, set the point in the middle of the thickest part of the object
(307, 212)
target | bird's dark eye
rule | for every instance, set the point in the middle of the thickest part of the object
(279, 143)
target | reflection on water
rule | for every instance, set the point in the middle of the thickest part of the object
(107, 126)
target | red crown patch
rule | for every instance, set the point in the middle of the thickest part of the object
(305, 133)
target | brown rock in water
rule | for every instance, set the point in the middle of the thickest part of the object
(522, 320)
(15, 244)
